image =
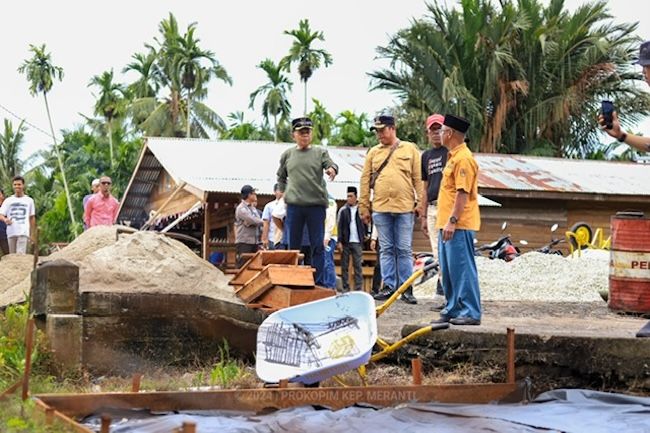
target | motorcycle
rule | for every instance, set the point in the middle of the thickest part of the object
(549, 248)
(503, 248)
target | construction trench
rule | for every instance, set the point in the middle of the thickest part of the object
(96, 322)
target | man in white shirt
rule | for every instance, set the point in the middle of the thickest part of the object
(19, 213)
(268, 228)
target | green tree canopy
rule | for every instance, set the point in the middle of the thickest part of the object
(529, 77)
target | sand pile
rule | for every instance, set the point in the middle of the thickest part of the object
(147, 262)
(143, 262)
(13, 270)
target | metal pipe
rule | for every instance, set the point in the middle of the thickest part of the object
(416, 370)
(510, 368)
(29, 345)
(135, 382)
(106, 424)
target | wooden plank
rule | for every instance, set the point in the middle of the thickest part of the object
(282, 297)
(280, 257)
(255, 288)
(243, 276)
(284, 275)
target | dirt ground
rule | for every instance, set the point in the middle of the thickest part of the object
(586, 319)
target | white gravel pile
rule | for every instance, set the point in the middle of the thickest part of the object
(539, 277)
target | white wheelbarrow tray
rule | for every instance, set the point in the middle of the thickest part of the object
(312, 342)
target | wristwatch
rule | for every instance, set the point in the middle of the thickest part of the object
(453, 219)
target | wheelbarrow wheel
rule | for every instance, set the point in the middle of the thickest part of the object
(583, 235)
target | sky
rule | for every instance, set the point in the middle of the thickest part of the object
(89, 37)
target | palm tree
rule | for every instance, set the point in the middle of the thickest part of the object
(11, 142)
(276, 102)
(196, 66)
(240, 129)
(148, 81)
(351, 130)
(301, 52)
(110, 104)
(178, 67)
(323, 122)
(528, 76)
(41, 74)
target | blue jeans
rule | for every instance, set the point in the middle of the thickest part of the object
(395, 246)
(459, 275)
(314, 218)
(329, 279)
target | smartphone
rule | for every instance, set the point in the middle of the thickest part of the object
(607, 108)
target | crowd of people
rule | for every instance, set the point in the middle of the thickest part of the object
(397, 186)
(18, 214)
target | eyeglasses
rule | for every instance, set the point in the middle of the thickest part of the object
(106, 183)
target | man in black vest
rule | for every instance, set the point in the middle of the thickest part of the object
(351, 232)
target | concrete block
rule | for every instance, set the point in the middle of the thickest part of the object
(55, 288)
(64, 334)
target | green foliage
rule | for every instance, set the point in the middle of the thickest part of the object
(240, 129)
(40, 71)
(12, 344)
(275, 92)
(301, 52)
(226, 370)
(11, 142)
(525, 75)
(174, 74)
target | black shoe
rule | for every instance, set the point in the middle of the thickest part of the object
(408, 297)
(464, 321)
(442, 319)
(384, 294)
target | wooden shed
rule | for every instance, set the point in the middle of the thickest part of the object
(205, 177)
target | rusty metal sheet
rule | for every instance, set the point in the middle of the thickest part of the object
(76, 405)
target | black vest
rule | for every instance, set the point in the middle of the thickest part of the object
(344, 225)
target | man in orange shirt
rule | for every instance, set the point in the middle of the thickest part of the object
(458, 219)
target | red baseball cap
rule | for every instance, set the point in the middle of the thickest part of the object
(435, 118)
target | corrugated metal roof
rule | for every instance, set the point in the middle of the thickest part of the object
(527, 173)
(225, 166)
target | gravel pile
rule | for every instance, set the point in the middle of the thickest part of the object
(539, 277)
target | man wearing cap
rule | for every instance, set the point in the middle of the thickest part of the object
(642, 144)
(433, 161)
(458, 218)
(352, 232)
(393, 172)
(247, 223)
(268, 229)
(300, 177)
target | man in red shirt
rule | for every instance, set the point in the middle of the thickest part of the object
(102, 207)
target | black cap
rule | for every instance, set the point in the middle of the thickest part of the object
(382, 121)
(301, 123)
(352, 189)
(644, 54)
(457, 123)
(246, 190)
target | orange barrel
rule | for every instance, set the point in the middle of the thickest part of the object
(629, 268)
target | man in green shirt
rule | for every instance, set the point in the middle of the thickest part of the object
(300, 177)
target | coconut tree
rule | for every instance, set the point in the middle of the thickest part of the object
(110, 104)
(148, 81)
(301, 52)
(41, 74)
(179, 66)
(196, 67)
(11, 142)
(276, 102)
(323, 122)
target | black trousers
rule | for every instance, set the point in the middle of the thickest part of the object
(376, 275)
(356, 251)
(244, 249)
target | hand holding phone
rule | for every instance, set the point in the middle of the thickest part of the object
(607, 109)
